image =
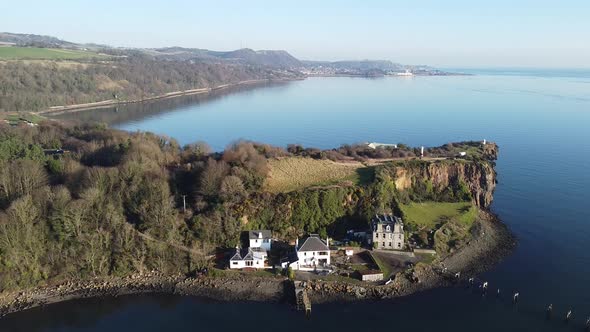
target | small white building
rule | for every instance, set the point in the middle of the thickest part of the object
(312, 255)
(260, 239)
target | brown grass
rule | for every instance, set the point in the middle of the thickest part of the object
(294, 173)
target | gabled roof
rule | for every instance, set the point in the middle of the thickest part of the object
(266, 234)
(386, 219)
(236, 256)
(314, 243)
(248, 254)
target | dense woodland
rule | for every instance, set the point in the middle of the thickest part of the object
(35, 85)
(85, 201)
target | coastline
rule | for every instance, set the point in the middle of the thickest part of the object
(491, 242)
(58, 110)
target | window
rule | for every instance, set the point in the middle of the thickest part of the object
(323, 253)
(248, 263)
(388, 228)
(383, 235)
(399, 236)
(234, 263)
(390, 244)
(399, 245)
(383, 244)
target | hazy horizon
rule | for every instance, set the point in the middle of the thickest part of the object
(458, 33)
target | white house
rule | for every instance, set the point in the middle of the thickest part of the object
(256, 256)
(313, 254)
(260, 239)
(250, 258)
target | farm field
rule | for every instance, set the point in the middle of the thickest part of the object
(28, 53)
(294, 173)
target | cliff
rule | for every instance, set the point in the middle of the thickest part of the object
(445, 176)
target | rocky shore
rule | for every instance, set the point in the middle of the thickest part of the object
(491, 241)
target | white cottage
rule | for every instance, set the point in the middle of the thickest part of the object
(256, 256)
(250, 258)
(313, 254)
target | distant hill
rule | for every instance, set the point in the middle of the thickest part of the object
(21, 39)
(276, 59)
(270, 58)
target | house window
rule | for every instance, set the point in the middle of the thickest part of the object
(390, 244)
(399, 236)
(383, 244)
(323, 253)
(399, 245)
(234, 263)
(248, 263)
(383, 235)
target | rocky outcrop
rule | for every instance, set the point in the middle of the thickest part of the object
(479, 176)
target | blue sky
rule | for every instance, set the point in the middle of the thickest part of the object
(445, 33)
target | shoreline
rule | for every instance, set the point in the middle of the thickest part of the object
(64, 109)
(491, 242)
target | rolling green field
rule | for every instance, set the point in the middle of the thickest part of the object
(35, 53)
(429, 214)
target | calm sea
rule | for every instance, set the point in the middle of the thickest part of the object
(540, 120)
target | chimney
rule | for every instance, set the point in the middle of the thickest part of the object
(328, 242)
(296, 244)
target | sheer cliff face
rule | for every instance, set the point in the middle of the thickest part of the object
(479, 177)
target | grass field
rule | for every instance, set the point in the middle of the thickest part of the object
(15, 118)
(383, 266)
(17, 53)
(294, 173)
(429, 214)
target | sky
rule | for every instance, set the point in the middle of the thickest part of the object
(443, 33)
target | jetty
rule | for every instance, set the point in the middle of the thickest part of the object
(302, 299)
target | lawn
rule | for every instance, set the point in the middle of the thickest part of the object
(17, 53)
(383, 266)
(294, 173)
(429, 214)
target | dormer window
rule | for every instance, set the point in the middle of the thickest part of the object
(388, 228)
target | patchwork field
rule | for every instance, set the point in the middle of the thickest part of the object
(16, 53)
(429, 214)
(294, 173)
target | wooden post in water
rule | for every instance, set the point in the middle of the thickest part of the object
(568, 316)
